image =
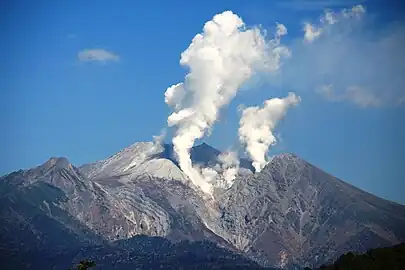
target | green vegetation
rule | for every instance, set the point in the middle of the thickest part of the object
(388, 258)
(84, 265)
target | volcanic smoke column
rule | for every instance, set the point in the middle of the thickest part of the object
(220, 59)
(257, 124)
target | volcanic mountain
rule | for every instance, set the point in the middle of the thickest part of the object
(289, 214)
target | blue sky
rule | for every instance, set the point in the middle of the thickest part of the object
(56, 101)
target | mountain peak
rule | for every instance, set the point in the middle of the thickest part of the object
(283, 160)
(206, 147)
(287, 156)
(57, 162)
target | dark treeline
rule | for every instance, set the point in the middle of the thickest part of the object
(388, 258)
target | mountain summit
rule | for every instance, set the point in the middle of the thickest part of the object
(291, 213)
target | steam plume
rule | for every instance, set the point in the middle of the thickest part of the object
(224, 172)
(257, 125)
(220, 59)
(230, 165)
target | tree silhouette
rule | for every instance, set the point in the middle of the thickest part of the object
(84, 265)
(392, 258)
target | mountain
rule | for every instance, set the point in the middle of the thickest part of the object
(289, 214)
(296, 210)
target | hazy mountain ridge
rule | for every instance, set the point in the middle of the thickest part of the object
(290, 213)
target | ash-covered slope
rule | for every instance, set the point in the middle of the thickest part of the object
(143, 158)
(291, 213)
(119, 205)
(55, 212)
(295, 213)
(152, 159)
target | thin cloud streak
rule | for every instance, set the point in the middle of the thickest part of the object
(97, 55)
(353, 94)
(316, 5)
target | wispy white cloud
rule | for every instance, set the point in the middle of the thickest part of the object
(363, 60)
(308, 5)
(312, 32)
(97, 55)
(354, 94)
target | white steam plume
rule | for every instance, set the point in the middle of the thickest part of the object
(257, 125)
(230, 166)
(224, 172)
(220, 59)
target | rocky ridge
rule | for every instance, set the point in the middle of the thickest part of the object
(291, 213)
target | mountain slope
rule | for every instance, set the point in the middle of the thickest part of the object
(310, 216)
(291, 213)
(32, 224)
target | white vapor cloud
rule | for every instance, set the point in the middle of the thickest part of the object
(224, 172)
(257, 126)
(354, 94)
(312, 32)
(97, 55)
(159, 139)
(361, 60)
(309, 5)
(220, 59)
(229, 161)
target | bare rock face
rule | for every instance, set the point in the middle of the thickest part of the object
(289, 214)
(293, 212)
